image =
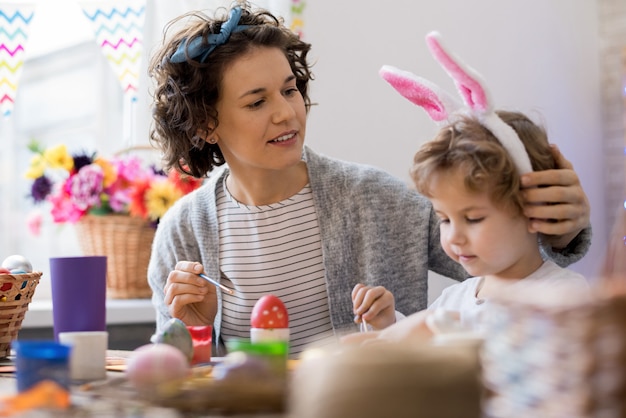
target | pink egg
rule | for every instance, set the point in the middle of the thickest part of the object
(153, 364)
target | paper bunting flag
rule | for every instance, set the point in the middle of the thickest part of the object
(14, 21)
(118, 27)
(297, 19)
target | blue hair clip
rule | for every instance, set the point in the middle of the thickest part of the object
(199, 50)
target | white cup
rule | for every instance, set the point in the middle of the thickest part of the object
(88, 354)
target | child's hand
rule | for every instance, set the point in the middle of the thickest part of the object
(375, 305)
(360, 338)
(411, 329)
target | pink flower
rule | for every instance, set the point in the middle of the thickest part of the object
(86, 185)
(119, 200)
(33, 222)
(129, 169)
(63, 207)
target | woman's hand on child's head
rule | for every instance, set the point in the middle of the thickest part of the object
(374, 304)
(189, 297)
(555, 202)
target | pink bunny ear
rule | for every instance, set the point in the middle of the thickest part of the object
(467, 80)
(435, 101)
(476, 96)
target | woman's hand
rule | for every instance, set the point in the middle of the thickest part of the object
(556, 202)
(189, 297)
(375, 305)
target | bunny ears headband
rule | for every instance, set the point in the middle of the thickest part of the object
(441, 107)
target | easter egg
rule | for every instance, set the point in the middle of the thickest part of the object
(4, 271)
(175, 333)
(269, 320)
(154, 364)
(269, 312)
(17, 262)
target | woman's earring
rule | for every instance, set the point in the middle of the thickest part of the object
(212, 140)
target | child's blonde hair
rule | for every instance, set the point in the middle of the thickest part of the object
(467, 146)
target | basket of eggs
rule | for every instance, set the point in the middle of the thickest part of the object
(17, 286)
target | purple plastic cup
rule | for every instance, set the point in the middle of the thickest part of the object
(78, 293)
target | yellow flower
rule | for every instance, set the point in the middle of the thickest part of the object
(37, 167)
(160, 197)
(110, 174)
(58, 157)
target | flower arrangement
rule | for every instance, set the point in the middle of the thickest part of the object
(81, 183)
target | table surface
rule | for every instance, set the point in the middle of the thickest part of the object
(8, 384)
(90, 399)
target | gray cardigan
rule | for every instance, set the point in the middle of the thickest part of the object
(374, 229)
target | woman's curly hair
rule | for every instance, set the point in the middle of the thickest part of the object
(466, 145)
(185, 94)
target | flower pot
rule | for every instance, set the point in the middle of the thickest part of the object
(127, 243)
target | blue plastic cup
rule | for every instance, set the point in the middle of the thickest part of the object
(36, 361)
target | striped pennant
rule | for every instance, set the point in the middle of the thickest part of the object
(118, 26)
(14, 22)
(297, 17)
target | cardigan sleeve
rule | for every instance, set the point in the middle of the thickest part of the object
(575, 250)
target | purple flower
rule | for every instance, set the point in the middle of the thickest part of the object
(41, 188)
(82, 160)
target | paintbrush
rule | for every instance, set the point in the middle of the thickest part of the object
(216, 284)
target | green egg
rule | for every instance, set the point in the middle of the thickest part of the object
(175, 333)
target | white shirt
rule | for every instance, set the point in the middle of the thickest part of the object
(462, 297)
(273, 249)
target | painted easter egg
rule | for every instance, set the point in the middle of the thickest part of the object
(153, 364)
(269, 320)
(175, 333)
(269, 312)
(17, 262)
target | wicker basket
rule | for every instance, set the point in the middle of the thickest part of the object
(127, 243)
(556, 361)
(14, 300)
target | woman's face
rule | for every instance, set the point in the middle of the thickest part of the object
(261, 113)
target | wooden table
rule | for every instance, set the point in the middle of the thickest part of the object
(107, 397)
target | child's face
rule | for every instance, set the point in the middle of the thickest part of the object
(485, 239)
(261, 113)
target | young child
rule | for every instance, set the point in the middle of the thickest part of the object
(471, 174)
(474, 187)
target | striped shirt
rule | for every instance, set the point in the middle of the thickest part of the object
(274, 249)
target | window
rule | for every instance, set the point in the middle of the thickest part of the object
(68, 94)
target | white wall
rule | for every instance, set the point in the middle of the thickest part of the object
(538, 56)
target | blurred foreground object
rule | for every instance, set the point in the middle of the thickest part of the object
(388, 379)
(46, 395)
(614, 267)
(560, 351)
